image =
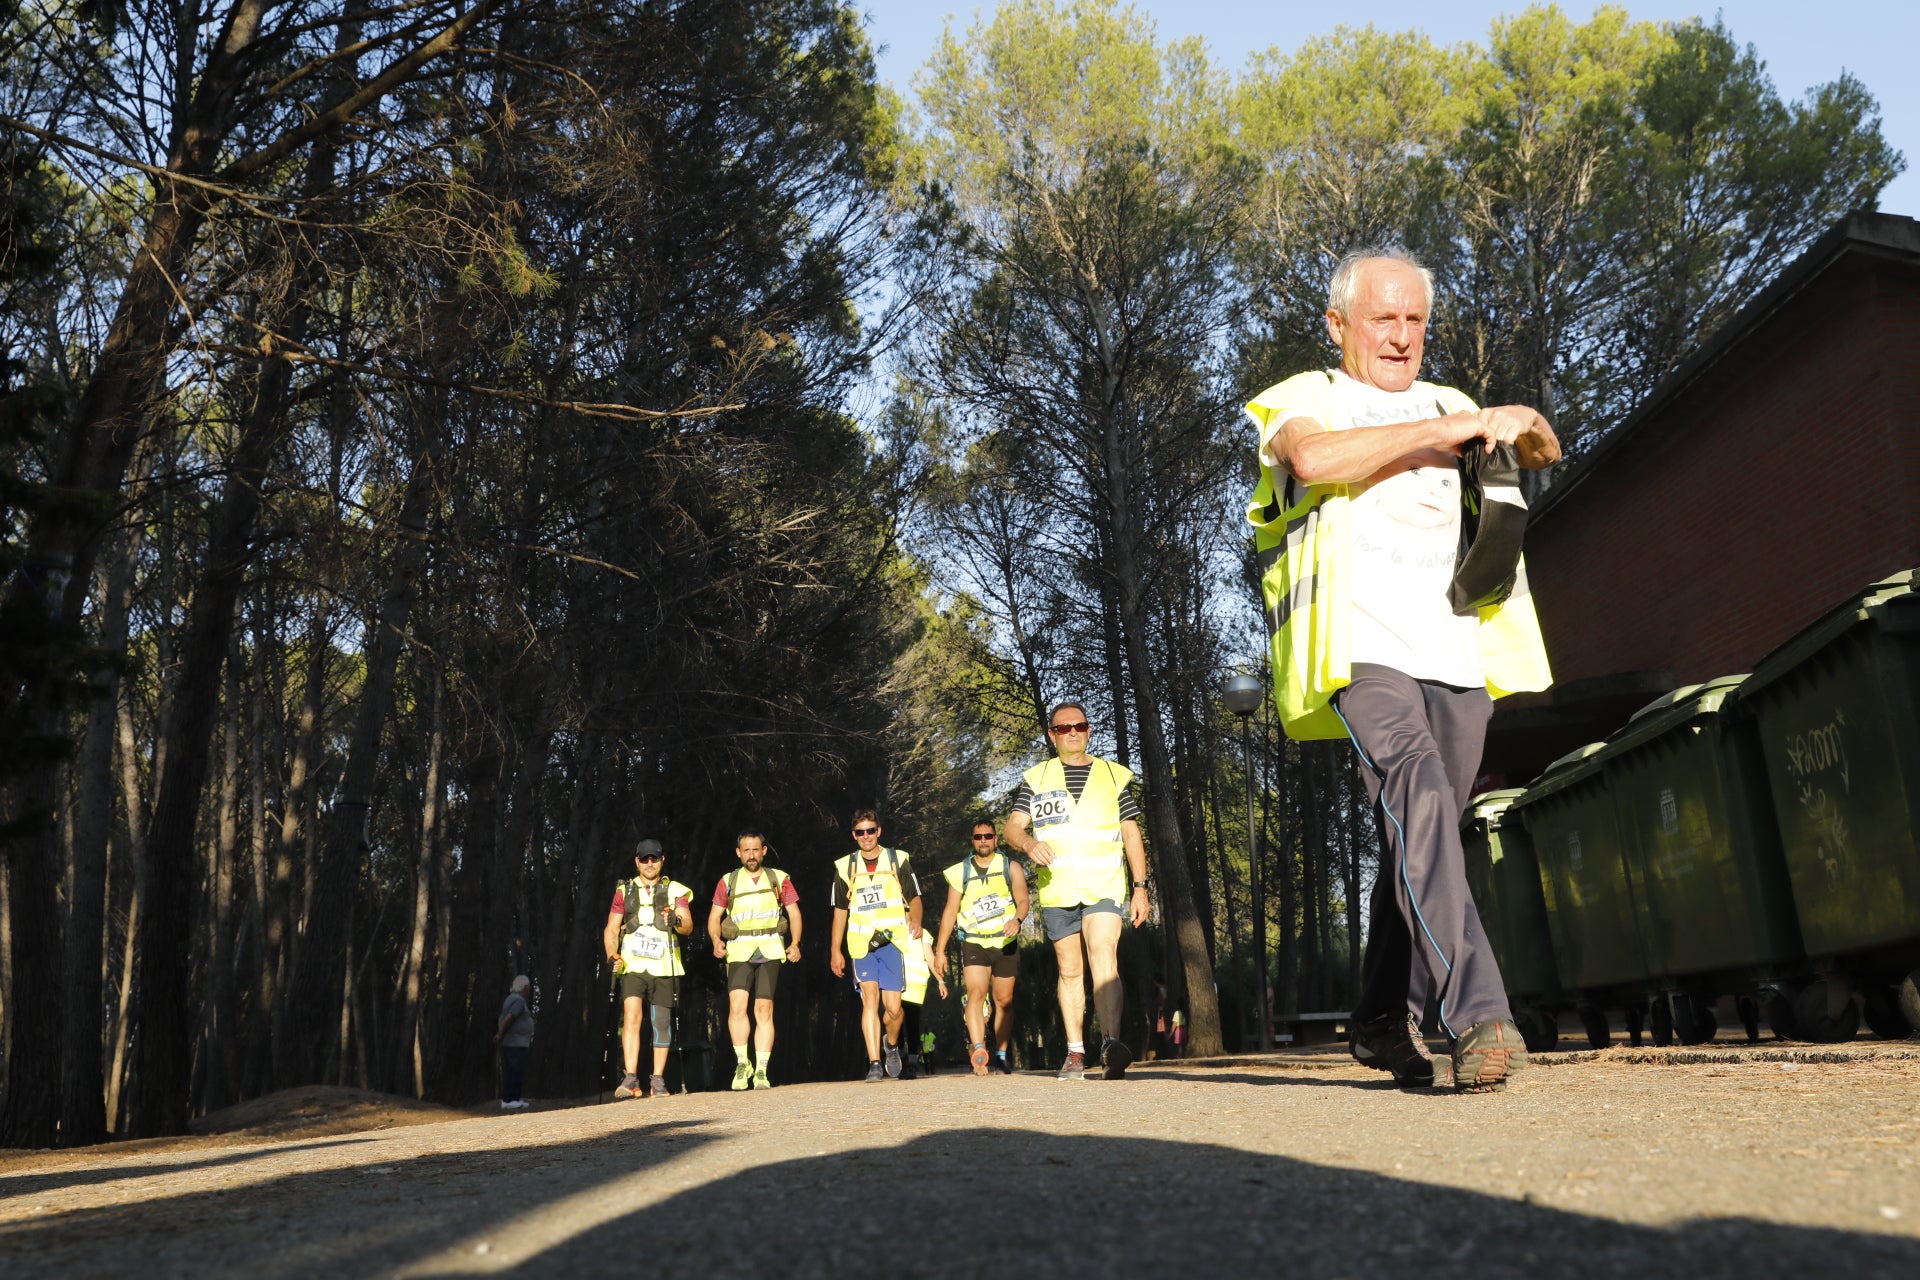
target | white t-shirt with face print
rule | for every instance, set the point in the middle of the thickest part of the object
(1406, 534)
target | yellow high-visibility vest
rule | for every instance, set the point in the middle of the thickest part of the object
(986, 900)
(1090, 860)
(756, 909)
(918, 972)
(1302, 537)
(648, 948)
(875, 899)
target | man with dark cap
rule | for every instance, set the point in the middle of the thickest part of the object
(650, 915)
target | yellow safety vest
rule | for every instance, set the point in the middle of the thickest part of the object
(1302, 538)
(875, 899)
(986, 901)
(649, 949)
(1090, 861)
(756, 909)
(919, 972)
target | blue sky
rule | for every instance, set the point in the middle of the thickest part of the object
(1803, 43)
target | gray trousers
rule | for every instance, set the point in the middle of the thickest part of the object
(1419, 745)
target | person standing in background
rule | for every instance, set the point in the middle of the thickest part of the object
(514, 1036)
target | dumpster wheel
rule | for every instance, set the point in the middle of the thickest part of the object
(1909, 994)
(1661, 1020)
(1694, 1021)
(1880, 1006)
(1599, 1034)
(1818, 1021)
(1538, 1028)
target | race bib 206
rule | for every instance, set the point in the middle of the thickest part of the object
(1050, 808)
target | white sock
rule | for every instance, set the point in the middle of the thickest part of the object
(1076, 1046)
(740, 1051)
(766, 1057)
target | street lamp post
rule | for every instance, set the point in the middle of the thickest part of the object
(1243, 696)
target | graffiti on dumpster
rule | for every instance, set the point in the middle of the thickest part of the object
(1816, 760)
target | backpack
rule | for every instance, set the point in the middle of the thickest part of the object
(630, 917)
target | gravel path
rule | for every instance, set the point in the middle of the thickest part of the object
(1586, 1167)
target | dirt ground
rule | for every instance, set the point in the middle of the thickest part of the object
(1706, 1162)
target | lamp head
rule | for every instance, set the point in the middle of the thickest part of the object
(1243, 695)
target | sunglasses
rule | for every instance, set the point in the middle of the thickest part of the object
(652, 857)
(986, 836)
(1079, 727)
(866, 831)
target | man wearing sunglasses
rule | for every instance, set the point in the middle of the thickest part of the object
(650, 915)
(876, 914)
(1076, 818)
(987, 900)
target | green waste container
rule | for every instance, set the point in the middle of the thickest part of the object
(1696, 817)
(1505, 880)
(1838, 712)
(1592, 915)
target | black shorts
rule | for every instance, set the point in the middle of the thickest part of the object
(1004, 961)
(653, 988)
(758, 976)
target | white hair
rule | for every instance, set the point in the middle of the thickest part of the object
(521, 985)
(1346, 276)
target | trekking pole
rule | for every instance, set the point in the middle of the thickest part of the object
(606, 1038)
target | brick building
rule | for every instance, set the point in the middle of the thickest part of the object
(1771, 476)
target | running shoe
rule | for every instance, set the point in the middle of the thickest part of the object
(1002, 1064)
(629, 1086)
(658, 1087)
(978, 1057)
(894, 1065)
(1074, 1068)
(875, 1072)
(1486, 1057)
(1115, 1058)
(1393, 1043)
(742, 1075)
(760, 1080)
(518, 1104)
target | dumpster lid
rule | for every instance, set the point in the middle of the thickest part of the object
(1491, 804)
(1899, 592)
(1673, 710)
(1564, 772)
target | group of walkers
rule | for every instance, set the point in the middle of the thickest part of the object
(1076, 818)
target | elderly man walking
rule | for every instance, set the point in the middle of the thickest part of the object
(514, 1037)
(1387, 520)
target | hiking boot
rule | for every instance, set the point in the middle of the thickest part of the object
(658, 1087)
(760, 1080)
(1002, 1065)
(1115, 1058)
(894, 1065)
(1487, 1056)
(629, 1086)
(742, 1075)
(1074, 1068)
(977, 1056)
(875, 1072)
(1392, 1042)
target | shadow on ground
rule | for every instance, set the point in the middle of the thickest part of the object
(26, 1185)
(964, 1202)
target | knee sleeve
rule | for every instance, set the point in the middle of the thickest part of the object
(662, 1026)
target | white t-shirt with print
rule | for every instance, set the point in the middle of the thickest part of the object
(1406, 535)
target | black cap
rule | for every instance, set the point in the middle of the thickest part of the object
(648, 846)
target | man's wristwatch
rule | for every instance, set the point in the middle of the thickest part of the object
(1139, 884)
